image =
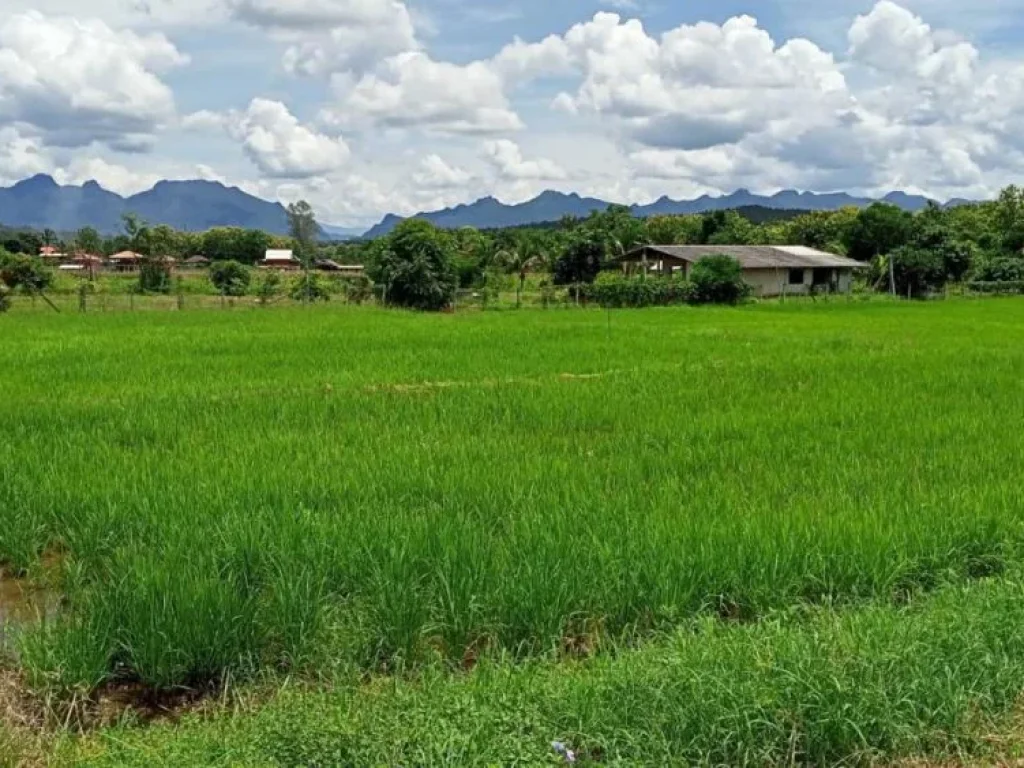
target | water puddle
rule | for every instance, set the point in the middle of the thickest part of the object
(23, 603)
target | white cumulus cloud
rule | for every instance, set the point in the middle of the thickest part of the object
(77, 82)
(282, 147)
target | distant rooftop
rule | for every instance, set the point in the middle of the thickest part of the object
(749, 256)
(279, 255)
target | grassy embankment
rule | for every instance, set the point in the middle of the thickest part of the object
(324, 492)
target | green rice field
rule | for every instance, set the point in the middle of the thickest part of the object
(772, 534)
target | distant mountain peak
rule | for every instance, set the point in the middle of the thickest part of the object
(551, 206)
(39, 202)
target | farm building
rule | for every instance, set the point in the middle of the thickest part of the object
(197, 262)
(280, 259)
(771, 270)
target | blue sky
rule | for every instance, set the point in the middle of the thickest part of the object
(366, 107)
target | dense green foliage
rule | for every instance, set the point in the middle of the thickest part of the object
(718, 280)
(230, 278)
(18, 271)
(912, 254)
(415, 268)
(615, 290)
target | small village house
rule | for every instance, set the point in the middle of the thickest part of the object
(52, 254)
(84, 263)
(125, 261)
(771, 270)
(282, 259)
(196, 262)
(348, 270)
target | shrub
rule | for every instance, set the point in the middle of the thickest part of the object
(308, 288)
(5, 298)
(717, 280)
(358, 289)
(25, 272)
(616, 290)
(269, 288)
(155, 276)
(230, 278)
(1001, 269)
(1005, 287)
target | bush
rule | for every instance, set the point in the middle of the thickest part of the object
(357, 289)
(617, 290)
(155, 276)
(269, 288)
(717, 280)
(230, 278)
(1001, 269)
(5, 298)
(308, 288)
(25, 272)
(1006, 287)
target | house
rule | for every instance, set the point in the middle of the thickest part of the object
(771, 270)
(84, 262)
(50, 253)
(197, 262)
(125, 261)
(280, 259)
(350, 270)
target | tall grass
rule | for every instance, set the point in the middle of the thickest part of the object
(247, 490)
(857, 688)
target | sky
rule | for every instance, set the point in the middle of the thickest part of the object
(368, 107)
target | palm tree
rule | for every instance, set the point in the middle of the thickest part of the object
(522, 259)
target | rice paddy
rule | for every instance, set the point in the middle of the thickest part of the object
(329, 492)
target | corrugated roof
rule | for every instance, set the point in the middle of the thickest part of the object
(750, 256)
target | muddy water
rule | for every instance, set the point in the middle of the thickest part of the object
(22, 604)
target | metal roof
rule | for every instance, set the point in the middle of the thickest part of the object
(279, 255)
(749, 256)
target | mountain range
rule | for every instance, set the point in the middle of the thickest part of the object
(489, 213)
(41, 203)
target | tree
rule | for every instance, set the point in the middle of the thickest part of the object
(137, 233)
(414, 267)
(304, 230)
(521, 261)
(917, 271)
(581, 261)
(718, 280)
(230, 278)
(877, 230)
(89, 241)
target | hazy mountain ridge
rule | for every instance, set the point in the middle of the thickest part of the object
(488, 213)
(40, 203)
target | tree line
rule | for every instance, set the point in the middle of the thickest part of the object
(419, 265)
